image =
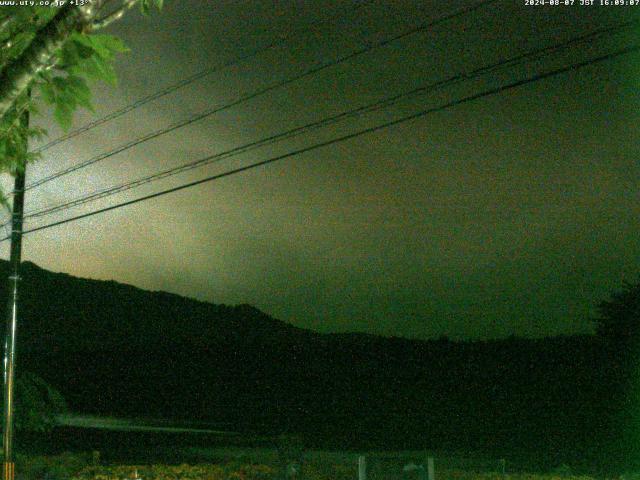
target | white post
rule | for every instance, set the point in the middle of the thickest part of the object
(362, 468)
(431, 472)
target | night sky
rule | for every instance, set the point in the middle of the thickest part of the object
(512, 214)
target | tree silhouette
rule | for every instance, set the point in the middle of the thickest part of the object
(619, 317)
(37, 404)
(618, 325)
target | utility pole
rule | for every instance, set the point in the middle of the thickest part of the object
(12, 313)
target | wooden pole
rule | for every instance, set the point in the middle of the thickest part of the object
(431, 471)
(12, 316)
(362, 468)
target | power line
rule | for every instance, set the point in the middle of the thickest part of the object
(260, 92)
(492, 91)
(386, 102)
(188, 81)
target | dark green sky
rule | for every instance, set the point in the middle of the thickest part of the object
(513, 214)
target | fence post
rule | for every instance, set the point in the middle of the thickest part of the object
(431, 473)
(362, 468)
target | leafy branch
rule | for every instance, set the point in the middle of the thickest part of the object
(54, 53)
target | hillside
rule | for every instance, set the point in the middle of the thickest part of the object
(114, 349)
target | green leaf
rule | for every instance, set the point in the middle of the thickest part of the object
(45, 14)
(78, 87)
(144, 7)
(74, 52)
(81, 39)
(95, 68)
(37, 132)
(4, 201)
(58, 83)
(33, 109)
(87, 46)
(19, 43)
(33, 156)
(104, 70)
(63, 114)
(109, 43)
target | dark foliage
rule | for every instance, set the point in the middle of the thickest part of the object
(618, 327)
(113, 349)
(619, 318)
(37, 403)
